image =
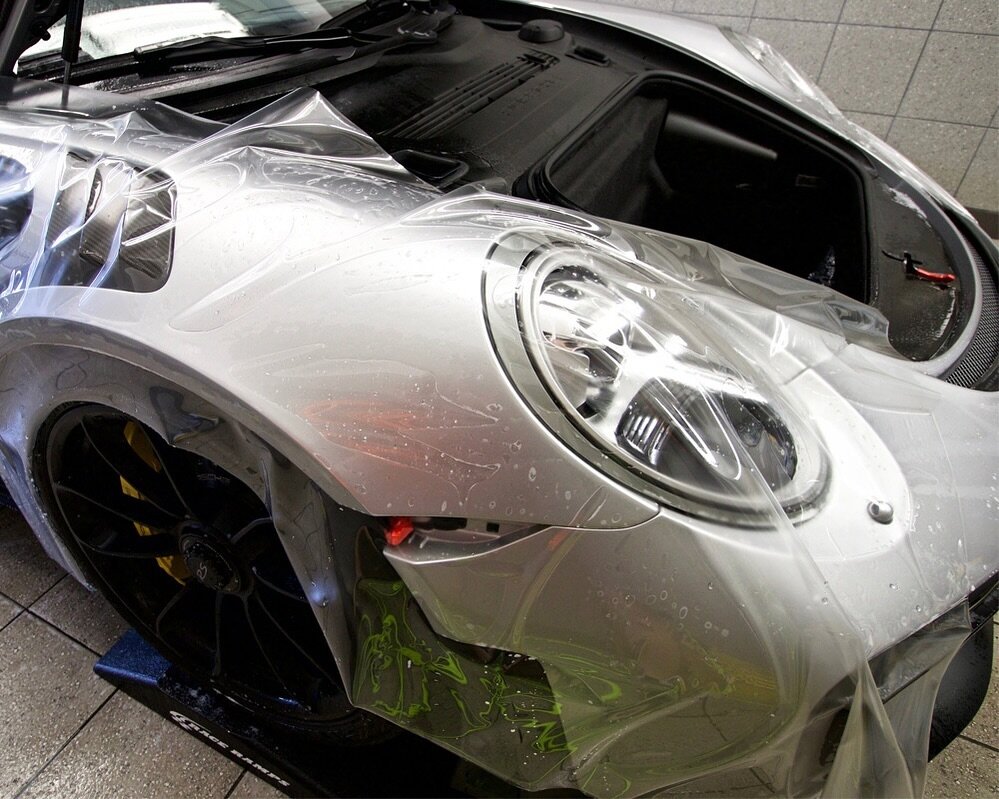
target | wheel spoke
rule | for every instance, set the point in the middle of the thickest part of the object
(123, 506)
(262, 648)
(256, 526)
(255, 540)
(290, 639)
(217, 666)
(161, 457)
(117, 453)
(183, 595)
(271, 584)
(133, 545)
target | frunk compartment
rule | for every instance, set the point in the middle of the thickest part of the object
(682, 157)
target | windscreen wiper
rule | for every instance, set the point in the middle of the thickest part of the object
(419, 26)
(340, 41)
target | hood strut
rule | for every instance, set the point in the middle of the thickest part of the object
(71, 37)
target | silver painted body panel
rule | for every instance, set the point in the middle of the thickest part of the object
(325, 309)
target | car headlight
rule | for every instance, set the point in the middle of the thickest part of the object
(628, 361)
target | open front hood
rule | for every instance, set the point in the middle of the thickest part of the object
(756, 64)
(740, 56)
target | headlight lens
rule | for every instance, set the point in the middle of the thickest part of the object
(630, 363)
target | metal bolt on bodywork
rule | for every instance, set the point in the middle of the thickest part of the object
(881, 512)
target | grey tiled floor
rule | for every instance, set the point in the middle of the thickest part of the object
(66, 733)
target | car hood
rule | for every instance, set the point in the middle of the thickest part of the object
(704, 41)
(719, 47)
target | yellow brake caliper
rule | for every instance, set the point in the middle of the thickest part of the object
(139, 442)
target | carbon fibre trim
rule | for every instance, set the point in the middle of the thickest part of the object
(983, 352)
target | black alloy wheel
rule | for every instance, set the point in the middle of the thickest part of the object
(189, 555)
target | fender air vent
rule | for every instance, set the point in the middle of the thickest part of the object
(111, 226)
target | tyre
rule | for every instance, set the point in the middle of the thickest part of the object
(190, 557)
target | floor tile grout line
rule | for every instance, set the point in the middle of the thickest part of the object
(825, 55)
(839, 21)
(26, 605)
(912, 74)
(825, 58)
(62, 632)
(22, 609)
(982, 744)
(9, 622)
(988, 126)
(9, 598)
(871, 25)
(65, 745)
(232, 788)
(974, 155)
(34, 601)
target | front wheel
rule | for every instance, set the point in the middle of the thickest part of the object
(189, 555)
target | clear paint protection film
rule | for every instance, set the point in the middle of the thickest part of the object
(596, 508)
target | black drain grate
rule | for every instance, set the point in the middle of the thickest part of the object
(467, 98)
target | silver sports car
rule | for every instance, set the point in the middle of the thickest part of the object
(573, 386)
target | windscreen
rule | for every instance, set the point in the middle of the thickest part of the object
(115, 27)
